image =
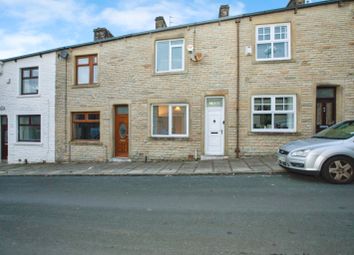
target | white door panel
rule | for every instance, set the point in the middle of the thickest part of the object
(214, 127)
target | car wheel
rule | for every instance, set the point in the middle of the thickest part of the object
(338, 170)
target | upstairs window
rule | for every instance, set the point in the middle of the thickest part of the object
(86, 126)
(86, 69)
(169, 56)
(274, 113)
(29, 81)
(273, 42)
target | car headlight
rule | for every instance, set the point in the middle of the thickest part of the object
(300, 153)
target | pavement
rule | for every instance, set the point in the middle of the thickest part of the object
(249, 165)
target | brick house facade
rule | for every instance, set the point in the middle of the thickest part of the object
(293, 68)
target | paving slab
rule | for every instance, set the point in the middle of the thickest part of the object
(188, 167)
(204, 167)
(118, 172)
(222, 166)
(131, 166)
(253, 162)
(272, 163)
(171, 168)
(266, 165)
(80, 172)
(239, 166)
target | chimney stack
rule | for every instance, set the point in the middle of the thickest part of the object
(101, 33)
(160, 22)
(293, 3)
(224, 11)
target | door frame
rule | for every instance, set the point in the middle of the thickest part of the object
(1, 138)
(206, 123)
(328, 99)
(115, 128)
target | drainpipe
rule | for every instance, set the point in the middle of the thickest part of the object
(66, 111)
(237, 150)
(64, 55)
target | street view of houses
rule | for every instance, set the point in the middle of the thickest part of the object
(231, 135)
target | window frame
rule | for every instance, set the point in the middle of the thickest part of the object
(29, 125)
(170, 120)
(91, 64)
(85, 120)
(273, 40)
(273, 111)
(29, 78)
(170, 54)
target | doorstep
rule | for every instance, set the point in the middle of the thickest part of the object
(118, 159)
(213, 157)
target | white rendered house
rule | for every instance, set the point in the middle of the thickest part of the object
(27, 109)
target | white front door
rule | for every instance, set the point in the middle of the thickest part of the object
(214, 126)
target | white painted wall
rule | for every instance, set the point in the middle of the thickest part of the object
(42, 104)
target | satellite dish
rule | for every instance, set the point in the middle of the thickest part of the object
(198, 56)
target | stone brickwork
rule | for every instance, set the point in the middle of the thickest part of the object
(322, 50)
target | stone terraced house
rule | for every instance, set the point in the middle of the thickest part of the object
(229, 87)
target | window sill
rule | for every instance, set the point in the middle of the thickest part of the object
(283, 133)
(170, 73)
(170, 138)
(83, 142)
(28, 144)
(81, 86)
(273, 61)
(29, 96)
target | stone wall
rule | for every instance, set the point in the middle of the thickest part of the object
(322, 50)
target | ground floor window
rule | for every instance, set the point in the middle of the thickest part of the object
(274, 113)
(86, 126)
(29, 128)
(170, 120)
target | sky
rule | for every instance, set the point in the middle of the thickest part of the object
(28, 26)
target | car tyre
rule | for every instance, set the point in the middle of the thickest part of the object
(338, 170)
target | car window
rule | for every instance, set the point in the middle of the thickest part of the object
(343, 130)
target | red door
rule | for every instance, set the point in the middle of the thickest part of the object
(122, 131)
(4, 138)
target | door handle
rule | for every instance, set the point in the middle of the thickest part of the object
(222, 131)
(214, 133)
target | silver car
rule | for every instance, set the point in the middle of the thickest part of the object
(329, 153)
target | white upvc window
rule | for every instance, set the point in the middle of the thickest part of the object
(273, 42)
(169, 56)
(169, 120)
(274, 113)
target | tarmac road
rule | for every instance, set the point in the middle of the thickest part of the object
(243, 214)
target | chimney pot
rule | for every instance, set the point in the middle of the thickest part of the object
(224, 10)
(101, 33)
(160, 22)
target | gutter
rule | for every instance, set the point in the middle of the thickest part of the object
(237, 150)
